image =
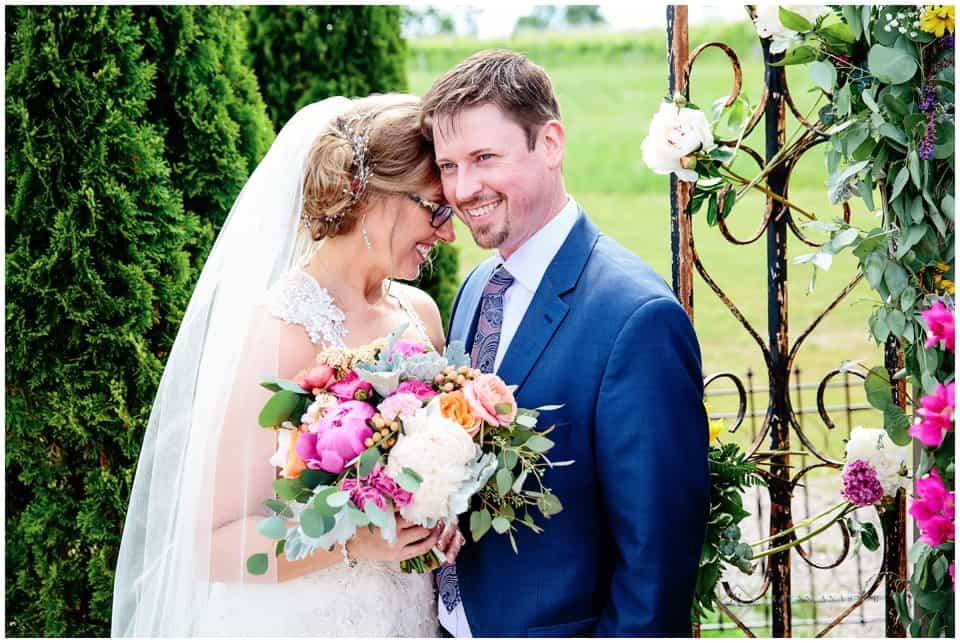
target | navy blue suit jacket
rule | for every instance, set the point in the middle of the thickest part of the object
(605, 336)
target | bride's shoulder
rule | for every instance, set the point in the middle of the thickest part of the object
(297, 298)
(425, 307)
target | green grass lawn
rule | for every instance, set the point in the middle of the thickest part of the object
(607, 98)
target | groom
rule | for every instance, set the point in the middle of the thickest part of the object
(571, 317)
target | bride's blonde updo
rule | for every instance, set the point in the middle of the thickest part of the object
(374, 149)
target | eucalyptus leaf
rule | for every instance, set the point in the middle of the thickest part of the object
(480, 522)
(900, 182)
(409, 480)
(368, 460)
(287, 488)
(823, 74)
(877, 388)
(895, 278)
(316, 523)
(500, 525)
(890, 65)
(504, 480)
(257, 564)
(539, 444)
(273, 527)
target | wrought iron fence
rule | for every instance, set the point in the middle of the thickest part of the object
(781, 419)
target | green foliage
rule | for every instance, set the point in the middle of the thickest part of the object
(731, 472)
(207, 99)
(97, 279)
(305, 54)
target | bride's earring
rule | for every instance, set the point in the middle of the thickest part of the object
(363, 231)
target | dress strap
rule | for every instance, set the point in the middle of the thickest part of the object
(414, 317)
(297, 298)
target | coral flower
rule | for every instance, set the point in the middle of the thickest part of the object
(454, 406)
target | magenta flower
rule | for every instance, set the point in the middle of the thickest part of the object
(422, 390)
(337, 438)
(407, 348)
(940, 321)
(861, 486)
(933, 509)
(376, 487)
(937, 416)
(352, 388)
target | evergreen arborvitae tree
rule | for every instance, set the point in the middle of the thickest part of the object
(207, 98)
(97, 281)
(305, 54)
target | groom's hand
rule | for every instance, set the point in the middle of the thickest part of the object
(450, 542)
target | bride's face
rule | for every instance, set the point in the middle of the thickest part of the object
(411, 235)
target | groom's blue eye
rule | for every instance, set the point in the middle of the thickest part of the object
(446, 167)
(485, 156)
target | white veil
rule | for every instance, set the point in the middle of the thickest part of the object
(202, 441)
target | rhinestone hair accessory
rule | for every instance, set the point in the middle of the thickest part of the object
(350, 128)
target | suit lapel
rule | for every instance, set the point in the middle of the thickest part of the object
(547, 310)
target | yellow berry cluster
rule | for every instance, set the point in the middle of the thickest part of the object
(384, 432)
(452, 379)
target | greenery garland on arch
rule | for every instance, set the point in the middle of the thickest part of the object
(887, 73)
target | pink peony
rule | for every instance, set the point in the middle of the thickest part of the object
(937, 416)
(407, 348)
(319, 377)
(941, 324)
(422, 390)
(337, 438)
(933, 509)
(487, 392)
(400, 405)
(352, 388)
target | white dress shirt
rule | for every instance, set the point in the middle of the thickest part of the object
(527, 266)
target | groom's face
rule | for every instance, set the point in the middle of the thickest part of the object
(498, 186)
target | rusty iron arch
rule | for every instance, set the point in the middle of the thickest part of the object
(780, 424)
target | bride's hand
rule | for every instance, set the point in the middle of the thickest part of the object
(412, 541)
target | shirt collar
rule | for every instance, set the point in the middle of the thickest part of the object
(530, 261)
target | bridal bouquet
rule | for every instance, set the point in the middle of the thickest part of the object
(395, 427)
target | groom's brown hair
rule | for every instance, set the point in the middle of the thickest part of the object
(520, 88)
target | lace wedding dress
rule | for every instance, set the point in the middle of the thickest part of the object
(372, 599)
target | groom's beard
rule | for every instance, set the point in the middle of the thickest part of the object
(487, 235)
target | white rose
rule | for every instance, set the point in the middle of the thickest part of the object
(767, 22)
(676, 133)
(438, 450)
(876, 448)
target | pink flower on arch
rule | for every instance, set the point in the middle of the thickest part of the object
(933, 509)
(940, 321)
(936, 415)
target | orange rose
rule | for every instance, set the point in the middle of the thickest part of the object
(295, 463)
(454, 407)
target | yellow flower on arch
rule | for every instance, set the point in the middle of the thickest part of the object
(937, 19)
(715, 426)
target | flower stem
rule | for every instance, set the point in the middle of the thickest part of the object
(773, 195)
(847, 507)
(803, 523)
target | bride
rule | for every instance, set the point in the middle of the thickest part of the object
(346, 199)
